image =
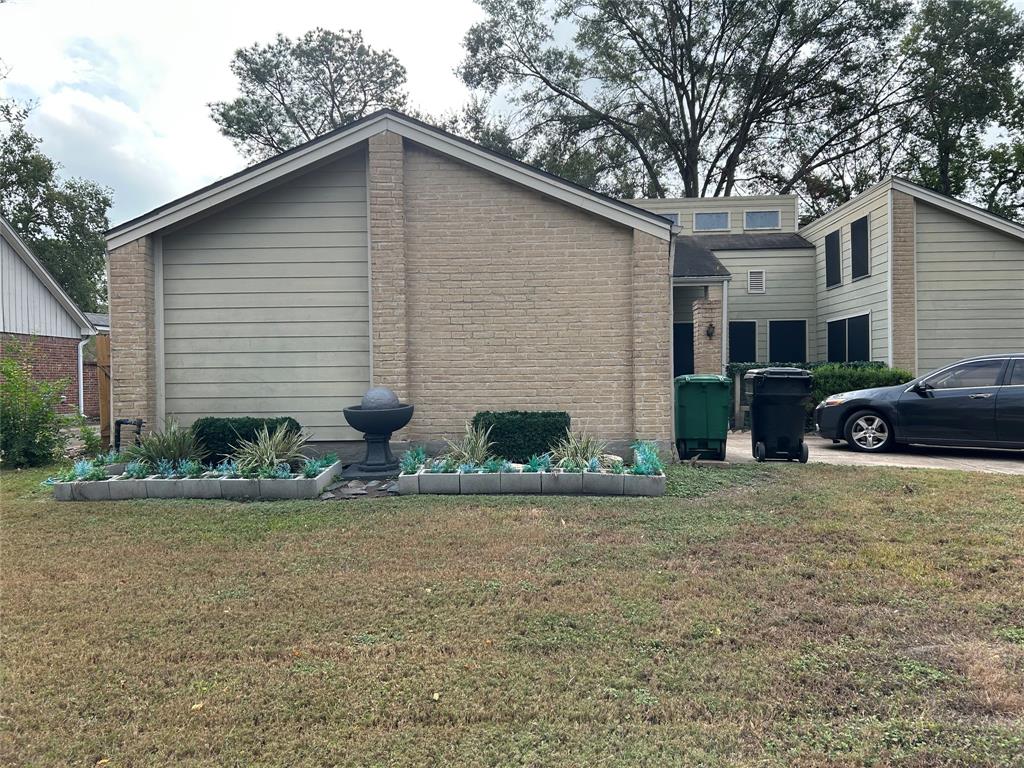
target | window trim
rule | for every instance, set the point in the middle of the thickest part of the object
(726, 228)
(764, 282)
(756, 337)
(871, 335)
(777, 211)
(855, 278)
(999, 378)
(824, 245)
(807, 332)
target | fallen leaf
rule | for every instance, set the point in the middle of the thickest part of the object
(437, 696)
(198, 705)
(104, 761)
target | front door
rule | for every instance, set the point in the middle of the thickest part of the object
(682, 349)
(957, 405)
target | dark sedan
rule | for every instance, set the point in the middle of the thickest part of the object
(978, 402)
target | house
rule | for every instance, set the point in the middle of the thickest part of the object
(39, 319)
(900, 274)
(392, 253)
(389, 252)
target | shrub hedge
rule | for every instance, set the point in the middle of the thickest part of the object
(30, 424)
(518, 435)
(220, 434)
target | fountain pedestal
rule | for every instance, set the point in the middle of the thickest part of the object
(377, 426)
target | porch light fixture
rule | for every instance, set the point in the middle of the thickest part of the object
(711, 330)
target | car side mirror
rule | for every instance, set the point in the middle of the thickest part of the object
(922, 388)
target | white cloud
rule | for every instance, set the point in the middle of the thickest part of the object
(122, 85)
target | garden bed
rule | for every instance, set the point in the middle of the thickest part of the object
(206, 486)
(548, 483)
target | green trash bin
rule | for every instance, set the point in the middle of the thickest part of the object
(702, 415)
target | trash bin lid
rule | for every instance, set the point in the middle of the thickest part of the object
(788, 373)
(703, 378)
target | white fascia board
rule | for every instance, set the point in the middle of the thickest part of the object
(22, 249)
(243, 183)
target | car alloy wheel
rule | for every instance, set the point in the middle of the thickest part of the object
(870, 432)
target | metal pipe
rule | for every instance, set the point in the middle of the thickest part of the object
(81, 381)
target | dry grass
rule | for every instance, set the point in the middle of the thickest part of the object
(806, 616)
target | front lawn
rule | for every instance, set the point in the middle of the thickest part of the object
(765, 616)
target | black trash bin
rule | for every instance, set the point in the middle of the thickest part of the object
(778, 410)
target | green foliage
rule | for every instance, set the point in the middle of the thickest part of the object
(174, 444)
(517, 435)
(295, 90)
(220, 434)
(87, 470)
(313, 467)
(228, 468)
(578, 450)
(166, 468)
(30, 425)
(268, 450)
(833, 378)
(111, 457)
(190, 468)
(492, 465)
(92, 444)
(62, 221)
(617, 467)
(137, 470)
(442, 464)
(413, 459)
(538, 463)
(473, 448)
(646, 460)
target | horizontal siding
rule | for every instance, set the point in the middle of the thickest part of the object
(970, 288)
(685, 208)
(867, 295)
(789, 290)
(266, 305)
(26, 304)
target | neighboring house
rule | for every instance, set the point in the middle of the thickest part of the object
(900, 274)
(392, 253)
(39, 319)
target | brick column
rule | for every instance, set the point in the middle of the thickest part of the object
(707, 352)
(904, 283)
(386, 180)
(133, 331)
(652, 336)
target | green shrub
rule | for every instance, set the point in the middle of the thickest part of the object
(30, 425)
(222, 434)
(174, 444)
(518, 435)
(92, 443)
(833, 378)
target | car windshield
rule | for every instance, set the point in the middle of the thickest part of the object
(982, 373)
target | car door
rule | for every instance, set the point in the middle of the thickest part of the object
(1010, 405)
(954, 406)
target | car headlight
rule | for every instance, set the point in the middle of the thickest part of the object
(828, 402)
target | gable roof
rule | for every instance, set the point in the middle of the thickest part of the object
(42, 273)
(324, 147)
(930, 196)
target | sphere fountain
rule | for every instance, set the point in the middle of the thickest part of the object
(377, 417)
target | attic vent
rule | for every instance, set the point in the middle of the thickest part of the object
(755, 281)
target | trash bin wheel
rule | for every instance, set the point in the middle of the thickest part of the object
(804, 453)
(760, 452)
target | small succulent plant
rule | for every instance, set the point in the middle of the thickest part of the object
(189, 468)
(594, 465)
(646, 460)
(469, 468)
(166, 468)
(412, 460)
(280, 472)
(113, 457)
(617, 467)
(538, 463)
(492, 465)
(228, 468)
(445, 464)
(507, 466)
(136, 470)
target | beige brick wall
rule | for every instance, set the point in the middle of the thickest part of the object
(388, 265)
(515, 301)
(904, 287)
(132, 332)
(707, 352)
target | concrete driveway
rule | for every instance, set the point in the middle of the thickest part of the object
(825, 452)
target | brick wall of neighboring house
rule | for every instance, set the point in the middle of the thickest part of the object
(516, 301)
(707, 351)
(132, 331)
(51, 357)
(904, 283)
(91, 389)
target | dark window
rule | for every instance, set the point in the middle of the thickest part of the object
(859, 258)
(983, 373)
(858, 338)
(833, 264)
(682, 349)
(742, 342)
(787, 341)
(837, 341)
(1017, 375)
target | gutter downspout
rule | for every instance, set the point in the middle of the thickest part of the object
(725, 323)
(81, 380)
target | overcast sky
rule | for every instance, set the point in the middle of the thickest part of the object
(122, 85)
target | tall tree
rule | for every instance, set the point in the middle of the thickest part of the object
(294, 91)
(694, 97)
(63, 221)
(966, 58)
